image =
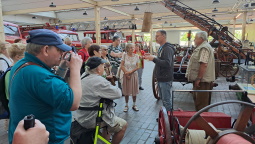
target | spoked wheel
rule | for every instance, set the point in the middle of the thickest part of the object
(176, 130)
(228, 69)
(164, 132)
(155, 86)
(238, 129)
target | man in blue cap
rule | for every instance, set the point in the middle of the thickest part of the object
(35, 89)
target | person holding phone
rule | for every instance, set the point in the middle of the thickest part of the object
(36, 89)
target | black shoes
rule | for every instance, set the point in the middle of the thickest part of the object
(141, 88)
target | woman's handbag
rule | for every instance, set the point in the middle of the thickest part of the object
(120, 73)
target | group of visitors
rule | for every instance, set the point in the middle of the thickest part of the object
(35, 89)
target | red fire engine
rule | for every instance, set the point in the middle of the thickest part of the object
(60, 30)
(106, 36)
(12, 32)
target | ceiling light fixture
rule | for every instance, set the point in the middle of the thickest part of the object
(85, 13)
(215, 10)
(215, 1)
(105, 18)
(52, 5)
(136, 8)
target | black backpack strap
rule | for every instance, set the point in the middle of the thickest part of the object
(5, 61)
(84, 76)
(90, 108)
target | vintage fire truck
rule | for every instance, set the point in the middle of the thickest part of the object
(12, 32)
(107, 35)
(138, 39)
(60, 30)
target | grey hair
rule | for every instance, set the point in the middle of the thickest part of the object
(91, 71)
(128, 46)
(163, 32)
(68, 41)
(203, 35)
(34, 49)
(84, 41)
(103, 46)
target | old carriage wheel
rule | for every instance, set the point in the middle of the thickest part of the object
(239, 127)
(164, 132)
(228, 69)
(155, 86)
(176, 130)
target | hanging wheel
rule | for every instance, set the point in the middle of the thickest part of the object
(164, 132)
(155, 86)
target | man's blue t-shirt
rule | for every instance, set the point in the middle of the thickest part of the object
(36, 90)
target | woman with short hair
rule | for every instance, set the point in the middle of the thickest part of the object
(5, 60)
(107, 67)
(129, 65)
(94, 50)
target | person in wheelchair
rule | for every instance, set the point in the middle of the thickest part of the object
(95, 87)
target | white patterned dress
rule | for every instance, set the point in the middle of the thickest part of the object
(130, 85)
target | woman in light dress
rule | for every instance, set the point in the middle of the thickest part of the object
(129, 65)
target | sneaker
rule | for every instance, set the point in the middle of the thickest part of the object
(125, 109)
(141, 88)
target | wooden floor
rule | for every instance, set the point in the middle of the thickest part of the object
(142, 125)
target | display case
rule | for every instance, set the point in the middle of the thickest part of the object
(246, 78)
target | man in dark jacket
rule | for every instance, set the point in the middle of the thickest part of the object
(164, 67)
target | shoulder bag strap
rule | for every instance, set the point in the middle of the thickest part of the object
(23, 65)
(5, 61)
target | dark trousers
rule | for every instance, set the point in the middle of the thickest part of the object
(202, 99)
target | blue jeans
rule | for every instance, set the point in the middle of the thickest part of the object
(165, 94)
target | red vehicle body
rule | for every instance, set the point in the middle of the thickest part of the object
(106, 36)
(61, 31)
(138, 39)
(12, 32)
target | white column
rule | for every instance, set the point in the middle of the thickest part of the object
(234, 26)
(151, 41)
(244, 25)
(133, 30)
(97, 25)
(2, 36)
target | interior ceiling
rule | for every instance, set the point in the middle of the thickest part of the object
(70, 12)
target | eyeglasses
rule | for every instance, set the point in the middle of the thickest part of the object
(104, 49)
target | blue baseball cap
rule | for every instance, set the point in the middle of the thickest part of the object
(47, 37)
